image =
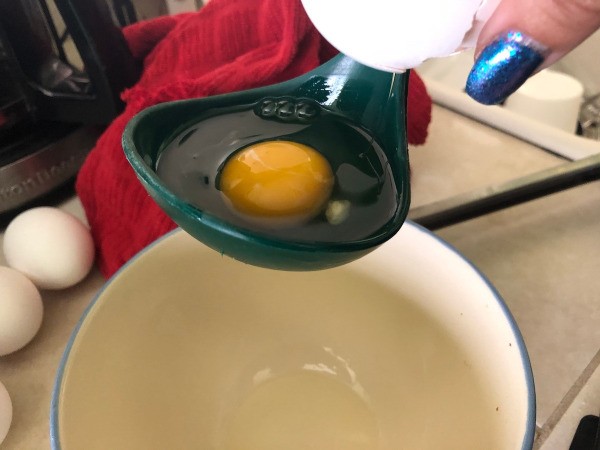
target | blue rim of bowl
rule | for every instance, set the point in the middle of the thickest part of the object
(528, 438)
(54, 437)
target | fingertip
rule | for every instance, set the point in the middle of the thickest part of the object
(502, 66)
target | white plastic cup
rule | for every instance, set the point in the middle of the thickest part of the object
(549, 97)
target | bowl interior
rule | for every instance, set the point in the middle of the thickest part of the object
(408, 347)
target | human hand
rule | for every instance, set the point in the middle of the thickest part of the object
(524, 36)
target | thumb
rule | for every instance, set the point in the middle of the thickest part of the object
(523, 36)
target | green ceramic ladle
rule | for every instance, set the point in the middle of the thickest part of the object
(371, 99)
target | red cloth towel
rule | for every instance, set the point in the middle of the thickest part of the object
(229, 45)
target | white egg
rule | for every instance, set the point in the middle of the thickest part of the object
(21, 310)
(54, 249)
(5, 412)
(395, 35)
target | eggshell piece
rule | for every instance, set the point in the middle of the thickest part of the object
(21, 310)
(6, 412)
(395, 35)
(51, 247)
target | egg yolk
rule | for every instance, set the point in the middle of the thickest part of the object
(277, 179)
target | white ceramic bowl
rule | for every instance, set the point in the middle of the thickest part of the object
(408, 348)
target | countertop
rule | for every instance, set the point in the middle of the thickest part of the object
(542, 256)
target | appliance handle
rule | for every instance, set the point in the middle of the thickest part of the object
(489, 199)
(106, 56)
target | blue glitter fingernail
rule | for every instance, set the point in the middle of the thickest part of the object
(503, 66)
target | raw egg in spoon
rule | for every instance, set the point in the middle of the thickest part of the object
(317, 178)
(311, 173)
(281, 181)
(303, 175)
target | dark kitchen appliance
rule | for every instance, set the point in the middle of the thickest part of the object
(63, 64)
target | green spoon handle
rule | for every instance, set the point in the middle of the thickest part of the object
(372, 98)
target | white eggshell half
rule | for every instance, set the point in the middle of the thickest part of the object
(54, 249)
(21, 310)
(395, 35)
(5, 412)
